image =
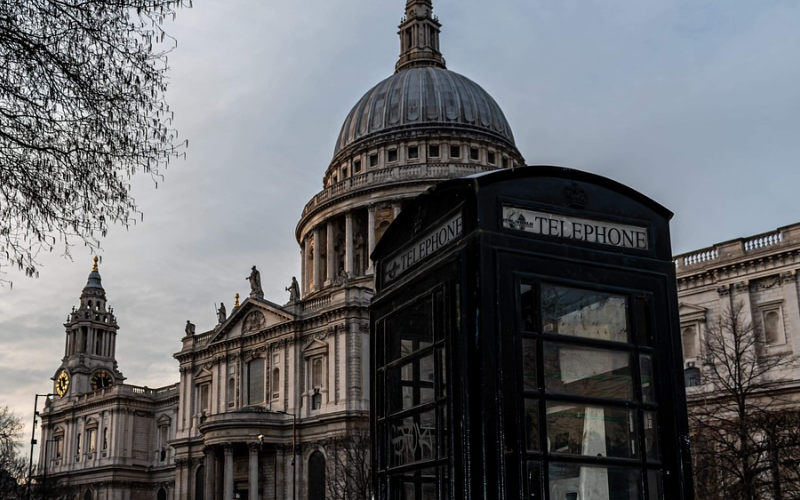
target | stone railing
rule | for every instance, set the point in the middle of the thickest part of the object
(697, 258)
(161, 392)
(739, 248)
(393, 174)
(763, 241)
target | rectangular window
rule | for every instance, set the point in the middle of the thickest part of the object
(59, 447)
(433, 150)
(505, 162)
(413, 152)
(105, 438)
(90, 435)
(205, 397)
(78, 444)
(474, 154)
(255, 381)
(492, 158)
(357, 166)
(455, 152)
(391, 155)
(373, 160)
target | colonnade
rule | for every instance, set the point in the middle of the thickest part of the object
(311, 248)
(219, 478)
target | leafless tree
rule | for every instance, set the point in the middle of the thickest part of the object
(349, 467)
(12, 466)
(82, 109)
(733, 451)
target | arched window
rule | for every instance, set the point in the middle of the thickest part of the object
(316, 476)
(200, 483)
(255, 381)
(162, 494)
(87, 495)
(276, 383)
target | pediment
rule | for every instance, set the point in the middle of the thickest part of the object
(315, 347)
(164, 420)
(691, 312)
(251, 317)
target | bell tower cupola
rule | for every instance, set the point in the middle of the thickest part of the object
(91, 330)
(419, 37)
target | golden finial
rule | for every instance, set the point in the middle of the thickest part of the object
(236, 300)
(94, 268)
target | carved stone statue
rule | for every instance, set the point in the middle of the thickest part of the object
(222, 315)
(344, 278)
(255, 283)
(189, 328)
(294, 290)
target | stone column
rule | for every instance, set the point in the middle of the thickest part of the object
(370, 236)
(211, 472)
(329, 250)
(228, 472)
(254, 449)
(348, 237)
(317, 250)
(302, 268)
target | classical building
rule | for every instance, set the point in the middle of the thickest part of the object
(266, 394)
(759, 273)
(740, 330)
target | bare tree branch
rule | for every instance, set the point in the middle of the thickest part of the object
(82, 109)
(737, 425)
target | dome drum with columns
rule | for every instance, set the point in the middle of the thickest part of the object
(420, 126)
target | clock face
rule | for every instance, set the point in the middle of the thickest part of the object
(102, 380)
(62, 384)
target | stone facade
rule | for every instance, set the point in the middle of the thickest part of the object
(758, 272)
(264, 394)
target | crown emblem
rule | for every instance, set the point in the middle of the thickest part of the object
(576, 197)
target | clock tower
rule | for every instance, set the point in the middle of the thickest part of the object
(89, 362)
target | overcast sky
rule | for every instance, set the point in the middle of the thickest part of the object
(695, 103)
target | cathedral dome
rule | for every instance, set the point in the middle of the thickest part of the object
(424, 97)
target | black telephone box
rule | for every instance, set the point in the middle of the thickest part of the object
(525, 344)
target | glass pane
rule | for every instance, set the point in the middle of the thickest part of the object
(409, 330)
(641, 309)
(652, 449)
(412, 384)
(587, 371)
(413, 439)
(584, 313)
(529, 365)
(533, 480)
(526, 301)
(596, 431)
(589, 482)
(655, 491)
(532, 424)
(646, 368)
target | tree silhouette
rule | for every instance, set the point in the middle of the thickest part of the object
(82, 109)
(740, 428)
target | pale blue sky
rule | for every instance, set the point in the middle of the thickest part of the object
(696, 103)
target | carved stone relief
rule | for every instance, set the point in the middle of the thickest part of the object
(253, 322)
